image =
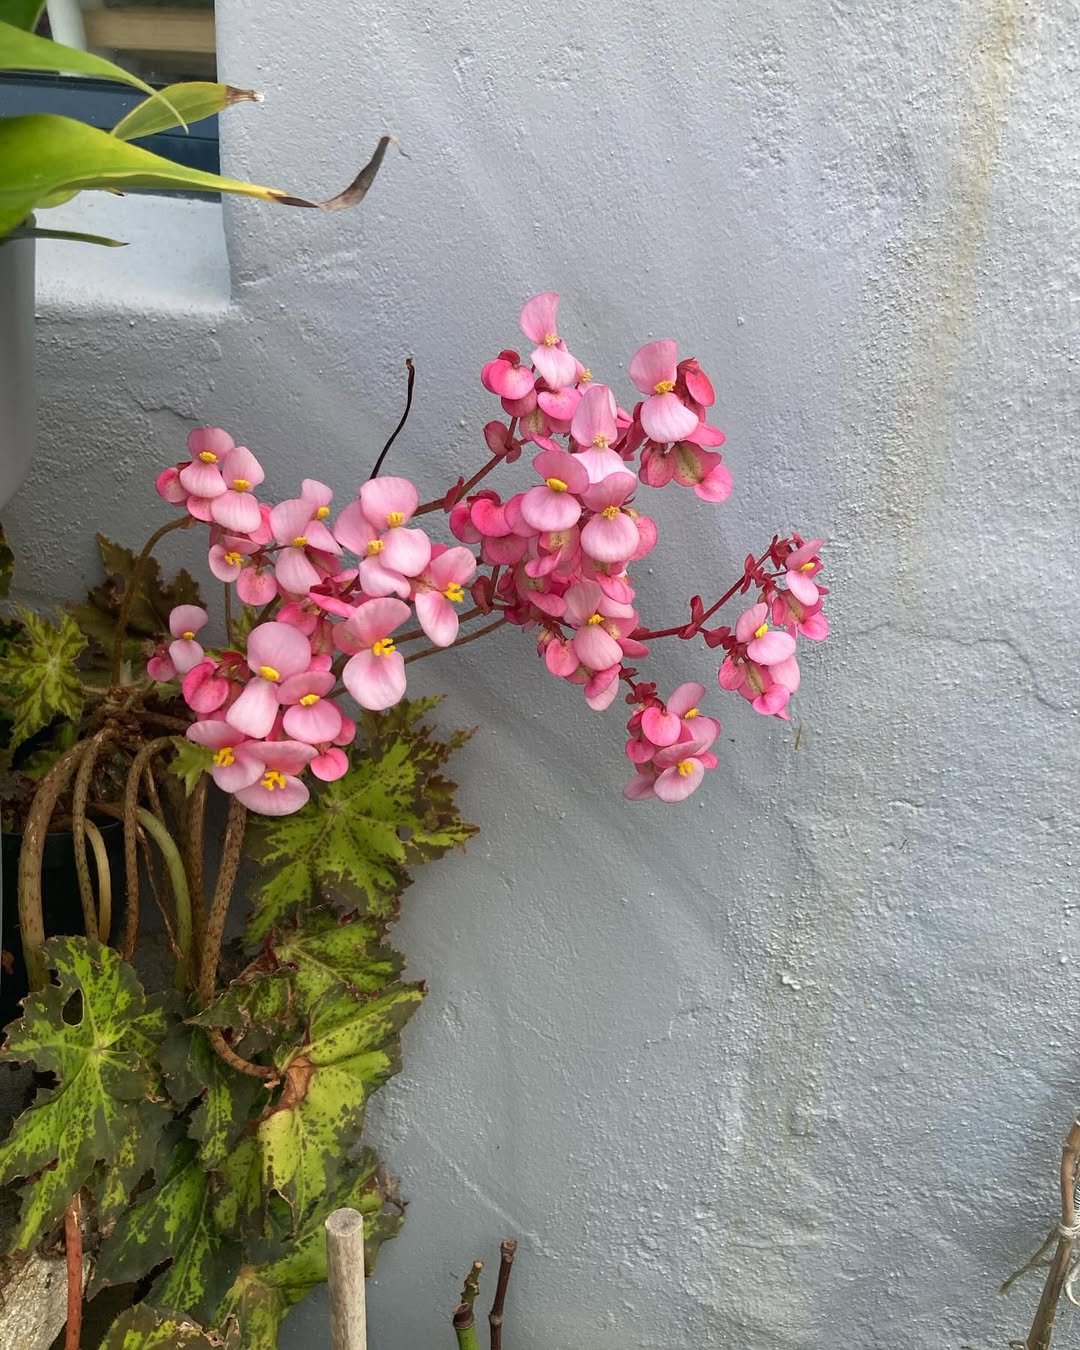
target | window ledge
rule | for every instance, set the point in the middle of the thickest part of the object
(175, 260)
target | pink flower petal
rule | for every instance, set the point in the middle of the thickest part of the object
(280, 647)
(331, 765)
(716, 485)
(377, 580)
(583, 600)
(289, 520)
(319, 722)
(612, 540)
(673, 786)
(293, 689)
(685, 697)
(546, 509)
(405, 551)
(353, 529)
(594, 418)
(559, 404)
(185, 655)
(596, 648)
(385, 499)
(662, 728)
(295, 573)
(665, 418)
(371, 621)
(187, 619)
(203, 689)
(750, 620)
(376, 682)
(270, 797)
(640, 787)
(241, 463)
(318, 494)
(770, 649)
(437, 616)
(556, 365)
(202, 480)
(213, 439)
(801, 587)
(654, 364)
(539, 315)
(236, 511)
(255, 710)
(160, 668)
(256, 586)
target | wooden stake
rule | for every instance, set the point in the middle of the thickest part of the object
(345, 1277)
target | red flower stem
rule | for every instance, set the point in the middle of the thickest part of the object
(461, 642)
(647, 634)
(439, 503)
(73, 1251)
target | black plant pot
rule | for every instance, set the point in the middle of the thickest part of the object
(61, 906)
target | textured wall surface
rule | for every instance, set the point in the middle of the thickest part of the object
(786, 1067)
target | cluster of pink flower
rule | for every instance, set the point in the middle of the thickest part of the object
(552, 558)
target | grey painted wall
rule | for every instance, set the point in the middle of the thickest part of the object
(786, 1067)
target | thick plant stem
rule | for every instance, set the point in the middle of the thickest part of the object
(1042, 1328)
(158, 831)
(73, 1251)
(507, 1252)
(80, 795)
(225, 1052)
(104, 880)
(133, 586)
(465, 1327)
(31, 919)
(131, 843)
(219, 905)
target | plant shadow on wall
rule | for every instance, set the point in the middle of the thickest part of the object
(188, 1131)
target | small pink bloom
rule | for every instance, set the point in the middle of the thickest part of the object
(168, 485)
(587, 608)
(275, 651)
(439, 589)
(764, 645)
(278, 791)
(257, 585)
(554, 504)
(204, 689)
(664, 416)
(375, 673)
(236, 508)
(208, 447)
(388, 502)
(233, 767)
(309, 715)
(296, 526)
(801, 566)
(550, 356)
(507, 377)
(611, 534)
(184, 622)
(160, 666)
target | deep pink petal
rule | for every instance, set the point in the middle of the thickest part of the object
(716, 485)
(662, 728)
(559, 404)
(546, 509)
(770, 649)
(331, 765)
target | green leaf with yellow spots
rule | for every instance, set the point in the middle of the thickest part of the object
(39, 674)
(190, 762)
(143, 1328)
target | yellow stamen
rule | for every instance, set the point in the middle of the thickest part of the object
(322, 513)
(807, 567)
(664, 387)
(269, 673)
(551, 339)
(234, 559)
(395, 518)
(454, 593)
(274, 778)
(610, 512)
(556, 485)
(375, 546)
(225, 757)
(308, 699)
(585, 376)
(300, 541)
(207, 457)
(691, 713)
(594, 620)
(601, 442)
(685, 768)
(383, 647)
(760, 632)
(241, 485)
(188, 635)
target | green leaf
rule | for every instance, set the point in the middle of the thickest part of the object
(326, 951)
(263, 1293)
(116, 1179)
(73, 236)
(251, 1006)
(94, 1030)
(353, 1047)
(225, 1099)
(356, 837)
(39, 674)
(22, 50)
(7, 565)
(43, 155)
(192, 101)
(23, 14)
(151, 605)
(173, 1223)
(190, 762)
(142, 1328)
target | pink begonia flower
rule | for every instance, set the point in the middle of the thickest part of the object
(375, 673)
(257, 585)
(168, 486)
(682, 765)
(507, 377)
(160, 665)
(309, 715)
(602, 688)
(695, 382)
(800, 566)
(766, 688)
(664, 416)
(554, 504)
(236, 508)
(702, 470)
(202, 477)
(611, 534)
(808, 620)
(275, 651)
(438, 589)
(389, 554)
(330, 764)
(587, 608)
(278, 791)
(595, 429)
(559, 405)
(319, 495)
(233, 767)
(296, 526)
(764, 645)
(228, 557)
(184, 622)
(550, 356)
(204, 689)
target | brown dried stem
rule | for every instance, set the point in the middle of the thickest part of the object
(224, 1050)
(235, 821)
(507, 1252)
(131, 827)
(31, 919)
(1042, 1327)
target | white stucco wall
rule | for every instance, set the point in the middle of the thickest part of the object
(788, 1066)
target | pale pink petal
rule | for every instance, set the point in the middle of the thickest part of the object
(289, 520)
(640, 787)
(295, 573)
(313, 724)
(267, 797)
(560, 659)
(318, 494)
(331, 765)
(801, 587)
(704, 434)
(239, 774)
(600, 463)
(280, 647)
(405, 551)
(750, 621)
(241, 463)
(596, 648)
(167, 484)
(773, 702)
(160, 668)
(202, 480)
(583, 600)
(612, 490)
(319, 537)
(815, 627)
(200, 509)
(376, 682)
(546, 509)
(187, 619)
(539, 316)
(224, 571)
(654, 364)
(256, 586)
(561, 465)
(665, 418)
(375, 579)
(556, 365)
(374, 620)
(213, 733)
(787, 673)
(209, 439)
(772, 648)
(293, 689)
(353, 529)
(594, 418)
(673, 786)
(285, 756)
(804, 553)
(662, 728)
(602, 689)
(236, 511)
(685, 697)
(716, 485)
(383, 498)
(185, 655)
(254, 711)
(608, 541)
(455, 565)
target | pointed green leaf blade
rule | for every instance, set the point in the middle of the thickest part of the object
(192, 101)
(190, 762)
(22, 50)
(101, 1059)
